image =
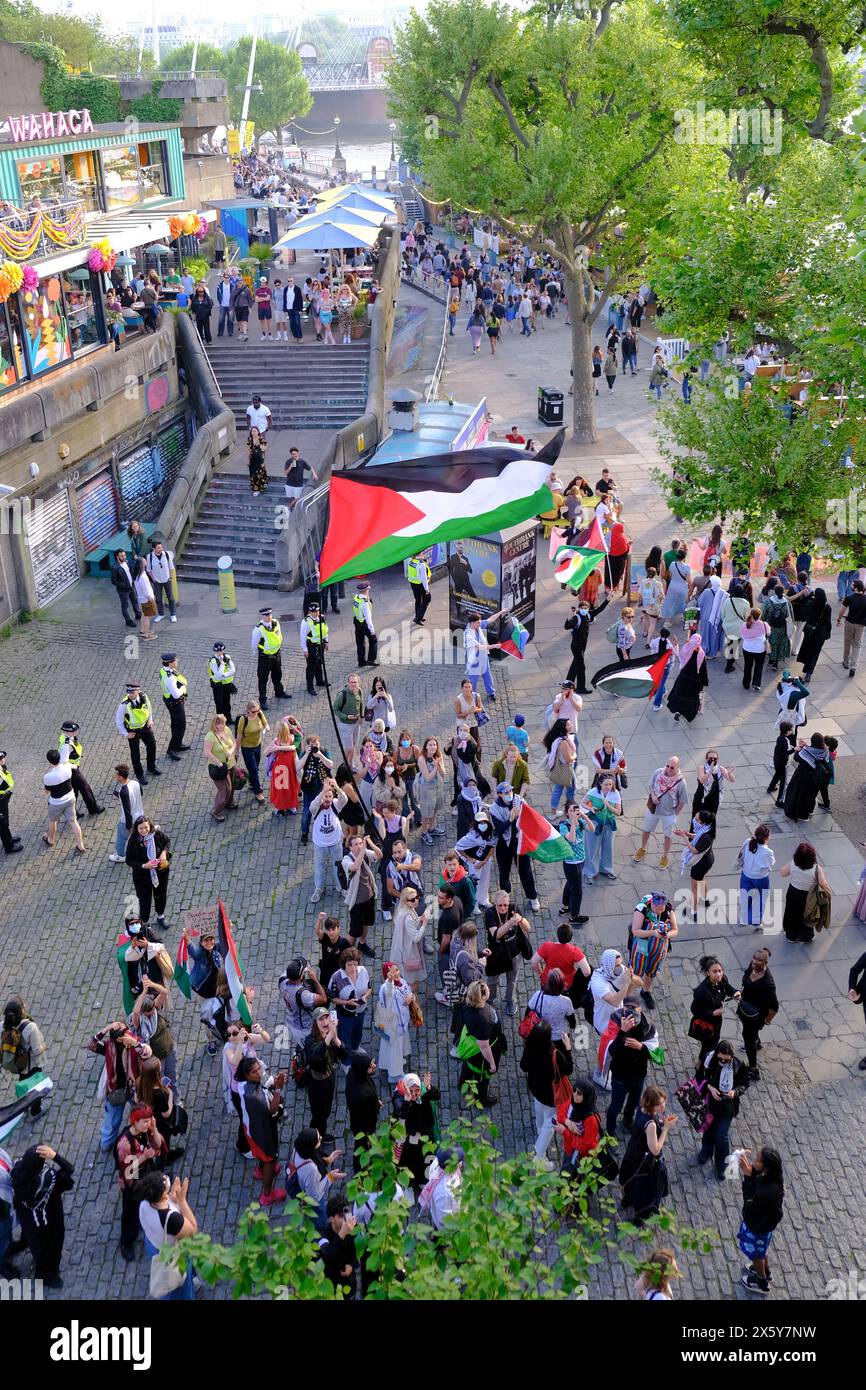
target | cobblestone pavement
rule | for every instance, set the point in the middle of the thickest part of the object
(61, 913)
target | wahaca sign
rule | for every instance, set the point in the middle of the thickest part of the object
(49, 125)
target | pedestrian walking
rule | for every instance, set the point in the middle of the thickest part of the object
(804, 874)
(817, 628)
(61, 802)
(686, 699)
(148, 855)
(852, 611)
(250, 730)
(755, 861)
(201, 307)
(667, 797)
(759, 1005)
(122, 577)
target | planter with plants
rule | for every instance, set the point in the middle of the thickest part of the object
(197, 267)
(359, 316)
(262, 257)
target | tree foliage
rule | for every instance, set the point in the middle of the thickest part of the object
(286, 92)
(83, 40)
(521, 1232)
(209, 58)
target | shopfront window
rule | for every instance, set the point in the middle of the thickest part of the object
(81, 313)
(152, 169)
(45, 326)
(120, 176)
(41, 182)
(8, 367)
(81, 180)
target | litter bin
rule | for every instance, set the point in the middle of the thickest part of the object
(551, 408)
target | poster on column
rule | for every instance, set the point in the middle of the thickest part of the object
(518, 577)
(473, 580)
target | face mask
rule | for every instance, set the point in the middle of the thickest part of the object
(389, 770)
(404, 743)
(508, 797)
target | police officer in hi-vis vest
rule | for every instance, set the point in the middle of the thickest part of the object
(11, 843)
(267, 641)
(314, 642)
(221, 670)
(366, 641)
(134, 720)
(174, 688)
(418, 574)
(71, 753)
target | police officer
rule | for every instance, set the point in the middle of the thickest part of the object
(267, 641)
(174, 688)
(366, 641)
(418, 574)
(314, 643)
(221, 670)
(71, 753)
(11, 843)
(134, 720)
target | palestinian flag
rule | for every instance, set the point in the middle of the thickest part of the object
(379, 516)
(181, 969)
(575, 563)
(537, 837)
(515, 643)
(232, 966)
(592, 538)
(639, 679)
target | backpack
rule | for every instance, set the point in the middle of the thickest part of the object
(342, 876)
(530, 1020)
(15, 1053)
(610, 632)
(300, 1069)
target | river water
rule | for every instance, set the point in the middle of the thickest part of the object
(361, 156)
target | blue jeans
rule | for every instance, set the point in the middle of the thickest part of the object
(112, 1124)
(487, 677)
(452, 319)
(252, 758)
(307, 799)
(350, 1027)
(556, 795)
(622, 1093)
(715, 1142)
(687, 391)
(524, 328)
(844, 582)
(226, 317)
(704, 369)
(658, 390)
(121, 838)
(753, 896)
(599, 853)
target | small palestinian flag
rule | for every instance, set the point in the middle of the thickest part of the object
(515, 643)
(379, 516)
(537, 837)
(639, 679)
(592, 538)
(232, 966)
(181, 969)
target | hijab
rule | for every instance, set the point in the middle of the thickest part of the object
(581, 1110)
(688, 650)
(819, 603)
(307, 1144)
(607, 966)
(359, 1083)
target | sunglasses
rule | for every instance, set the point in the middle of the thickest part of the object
(234, 1034)
(412, 898)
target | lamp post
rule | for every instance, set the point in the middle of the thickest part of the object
(338, 163)
(392, 169)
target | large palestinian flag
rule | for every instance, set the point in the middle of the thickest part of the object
(232, 966)
(639, 678)
(381, 515)
(537, 837)
(575, 563)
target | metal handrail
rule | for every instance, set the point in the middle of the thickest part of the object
(177, 76)
(433, 388)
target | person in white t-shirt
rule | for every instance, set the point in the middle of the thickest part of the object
(61, 802)
(258, 416)
(327, 833)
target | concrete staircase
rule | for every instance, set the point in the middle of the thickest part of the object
(234, 521)
(305, 385)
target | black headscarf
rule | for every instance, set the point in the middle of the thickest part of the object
(307, 1146)
(581, 1110)
(359, 1082)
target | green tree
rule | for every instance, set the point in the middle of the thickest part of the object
(208, 59)
(558, 125)
(285, 91)
(520, 1232)
(83, 41)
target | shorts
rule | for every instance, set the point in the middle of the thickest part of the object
(652, 818)
(242, 315)
(754, 1246)
(62, 815)
(264, 313)
(258, 1153)
(295, 492)
(281, 316)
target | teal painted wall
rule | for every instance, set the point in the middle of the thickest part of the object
(11, 190)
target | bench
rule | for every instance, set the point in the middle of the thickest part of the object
(99, 561)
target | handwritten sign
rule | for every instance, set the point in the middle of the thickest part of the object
(201, 920)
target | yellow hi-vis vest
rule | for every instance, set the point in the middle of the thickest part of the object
(358, 607)
(7, 782)
(75, 749)
(223, 679)
(136, 716)
(413, 570)
(318, 633)
(271, 639)
(164, 673)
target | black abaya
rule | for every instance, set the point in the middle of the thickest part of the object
(685, 695)
(803, 788)
(814, 637)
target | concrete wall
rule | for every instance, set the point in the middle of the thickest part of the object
(362, 112)
(20, 82)
(208, 177)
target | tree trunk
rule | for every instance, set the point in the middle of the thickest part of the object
(583, 411)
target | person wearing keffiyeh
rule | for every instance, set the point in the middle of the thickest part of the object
(39, 1180)
(148, 857)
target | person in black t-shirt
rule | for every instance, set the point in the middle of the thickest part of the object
(333, 945)
(449, 918)
(314, 766)
(853, 610)
(295, 468)
(337, 1248)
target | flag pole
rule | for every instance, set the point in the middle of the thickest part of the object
(368, 818)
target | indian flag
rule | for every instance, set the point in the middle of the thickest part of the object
(379, 516)
(537, 837)
(181, 969)
(515, 643)
(639, 678)
(232, 966)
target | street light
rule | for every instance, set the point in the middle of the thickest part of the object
(338, 153)
(392, 127)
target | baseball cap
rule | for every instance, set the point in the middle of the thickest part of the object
(503, 787)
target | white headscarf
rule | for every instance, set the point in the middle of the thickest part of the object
(607, 966)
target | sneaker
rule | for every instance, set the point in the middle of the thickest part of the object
(439, 830)
(751, 1282)
(386, 916)
(440, 998)
(173, 618)
(116, 859)
(212, 1049)
(454, 810)
(278, 1194)
(259, 1174)
(754, 1073)
(579, 921)
(429, 949)
(511, 1010)
(861, 1065)
(664, 862)
(366, 950)
(452, 1052)
(638, 855)
(426, 837)
(535, 905)
(159, 618)
(316, 897)
(612, 877)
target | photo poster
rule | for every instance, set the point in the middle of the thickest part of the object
(473, 580)
(517, 586)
